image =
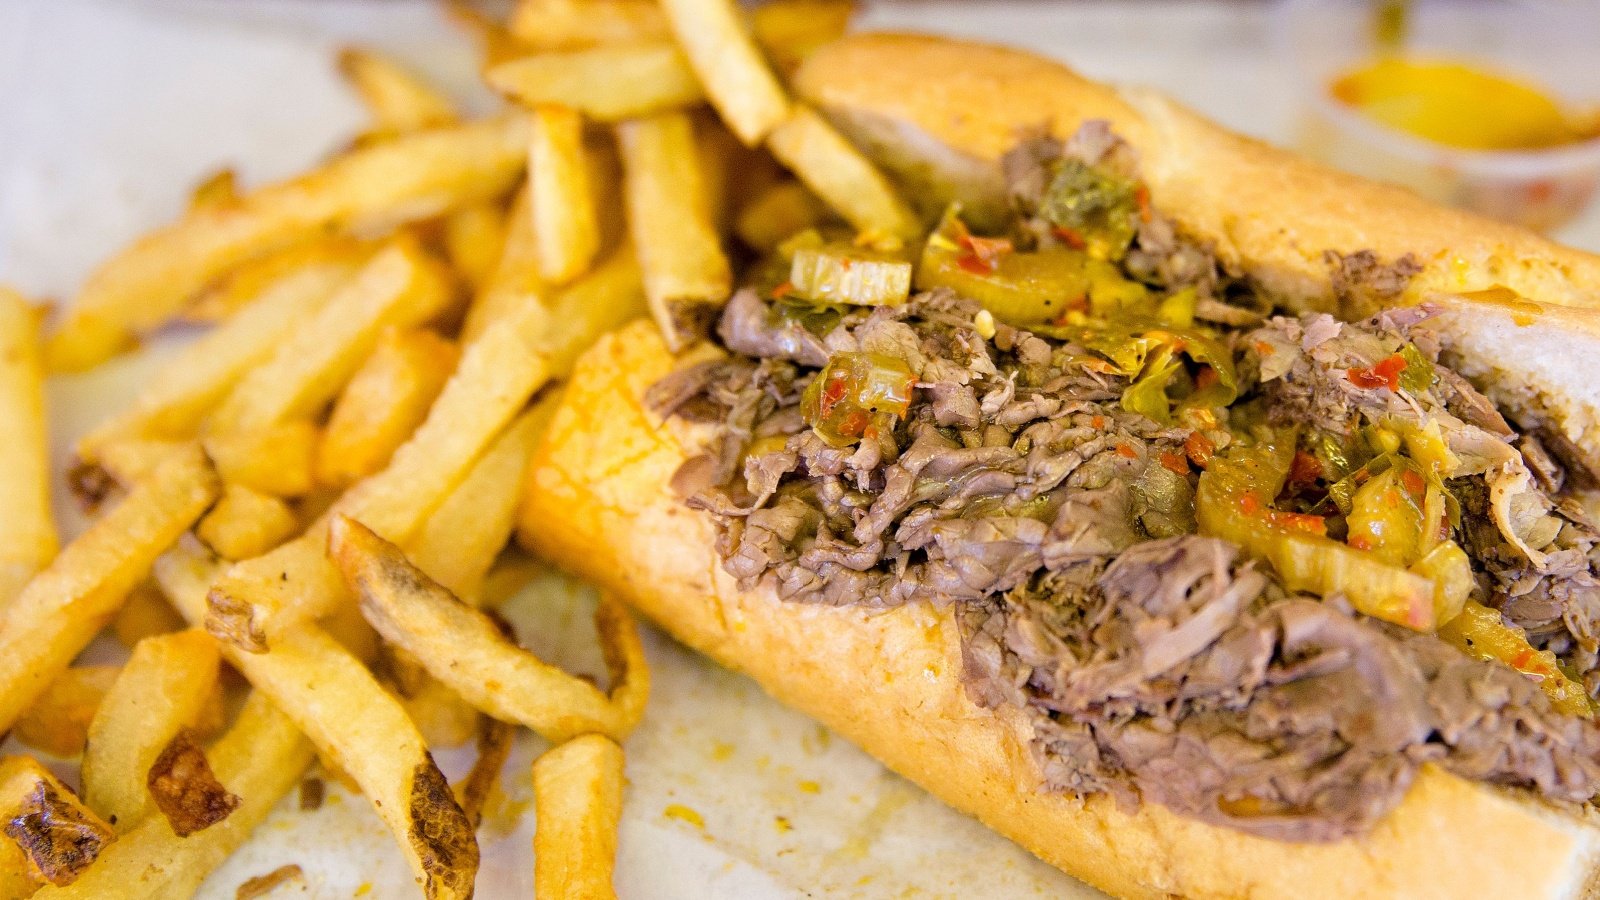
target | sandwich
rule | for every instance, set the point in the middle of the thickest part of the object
(1208, 522)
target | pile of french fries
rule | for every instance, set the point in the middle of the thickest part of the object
(317, 492)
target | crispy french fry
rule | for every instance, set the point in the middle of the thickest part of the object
(736, 77)
(577, 791)
(276, 459)
(145, 613)
(686, 274)
(442, 717)
(246, 523)
(402, 285)
(215, 191)
(386, 399)
(838, 173)
(27, 527)
(259, 759)
(565, 224)
(494, 748)
(65, 605)
(332, 697)
(473, 238)
(599, 302)
(514, 287)
(569, 24)
(511, 573)
(260, 597)
(407, 179)
(58, 835)
(178, 399)
(58, 722)
(605, 83)
(398, 100)
(164, 687)
(789, 30)
(318, 263)
(497, 44)
(461, 646)
(778, 213)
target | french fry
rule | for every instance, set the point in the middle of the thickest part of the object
(778, 213)
(473, 238)
(27, 527)
(514, 287)
(58, 722)
(441, 716)
(215, 191)
(315, 266)
(187, 389)
(276, 459)
(401, 285)
(569, 24)
(494, 748)
(599, 302)
(386, 399)
(145, 613)
(686, 275)
(496, 43)
(332, 697)
(736, 77)
(260, 597)
(184, 788)
(398, 100)
(605, 83)
(259, 759)
(565, 225)
(577, 791)
(59, 837)
(789, 30)
(164, 687)
(461, 646)
(838, 173)
(66, 604)
(246, 523)
(407, 179)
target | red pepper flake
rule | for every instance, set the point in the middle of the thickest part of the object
(1413, 482)
(1305, 469)
(1205, 378)
(1262, 347)
(1385, 374)
(1098, 423)
(1070, 238)
(1250, 504)
(855, 423)
(1522, 659)
(832, 392)
(1126, 451)
(1175, 461)
(782, 291)
(1293, 521)
(1141, 196)
(1360, 542)
(1200, 449)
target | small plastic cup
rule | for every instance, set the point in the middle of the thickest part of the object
(1554, 44)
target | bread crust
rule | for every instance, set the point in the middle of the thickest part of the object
(889, 682)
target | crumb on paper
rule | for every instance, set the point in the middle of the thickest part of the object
(261, 885)
(810, 787)
(784, 825)
(685, 814)
(721, 752)
(312, 793)
(364, 889)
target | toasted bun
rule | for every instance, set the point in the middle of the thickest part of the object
(890, 683)
(938, 114)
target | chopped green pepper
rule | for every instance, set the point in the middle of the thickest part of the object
(1483, 633)
(1092, 207)
(844, 273)
(857, 394)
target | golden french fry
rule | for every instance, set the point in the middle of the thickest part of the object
(441, 716)
(260, 597)
(473, 238)
(565, 225)
(318, 266)
(494, 748)
(838, 173)
(577, 791)
(777, 214)
(789, 30)
(605, 83)
(398, 100)
(386, 399)
(27, 527)
(215, 191)
(461, 646)
(246, 523)
(57, 834)
(402, 285)
(187, 389)
(686, 274)
(58, 722)
(275, 459)
(569, 24)
(407, 179)
(259, 759)
(596, 304)
(164, 687)
(65, 605)
(145, 613)
(514, 287)
(497, 43)
(331, 696)
(736, 77)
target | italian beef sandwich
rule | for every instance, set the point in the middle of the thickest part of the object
(1205, 521)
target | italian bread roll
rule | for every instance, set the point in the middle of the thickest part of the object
(601, 502)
